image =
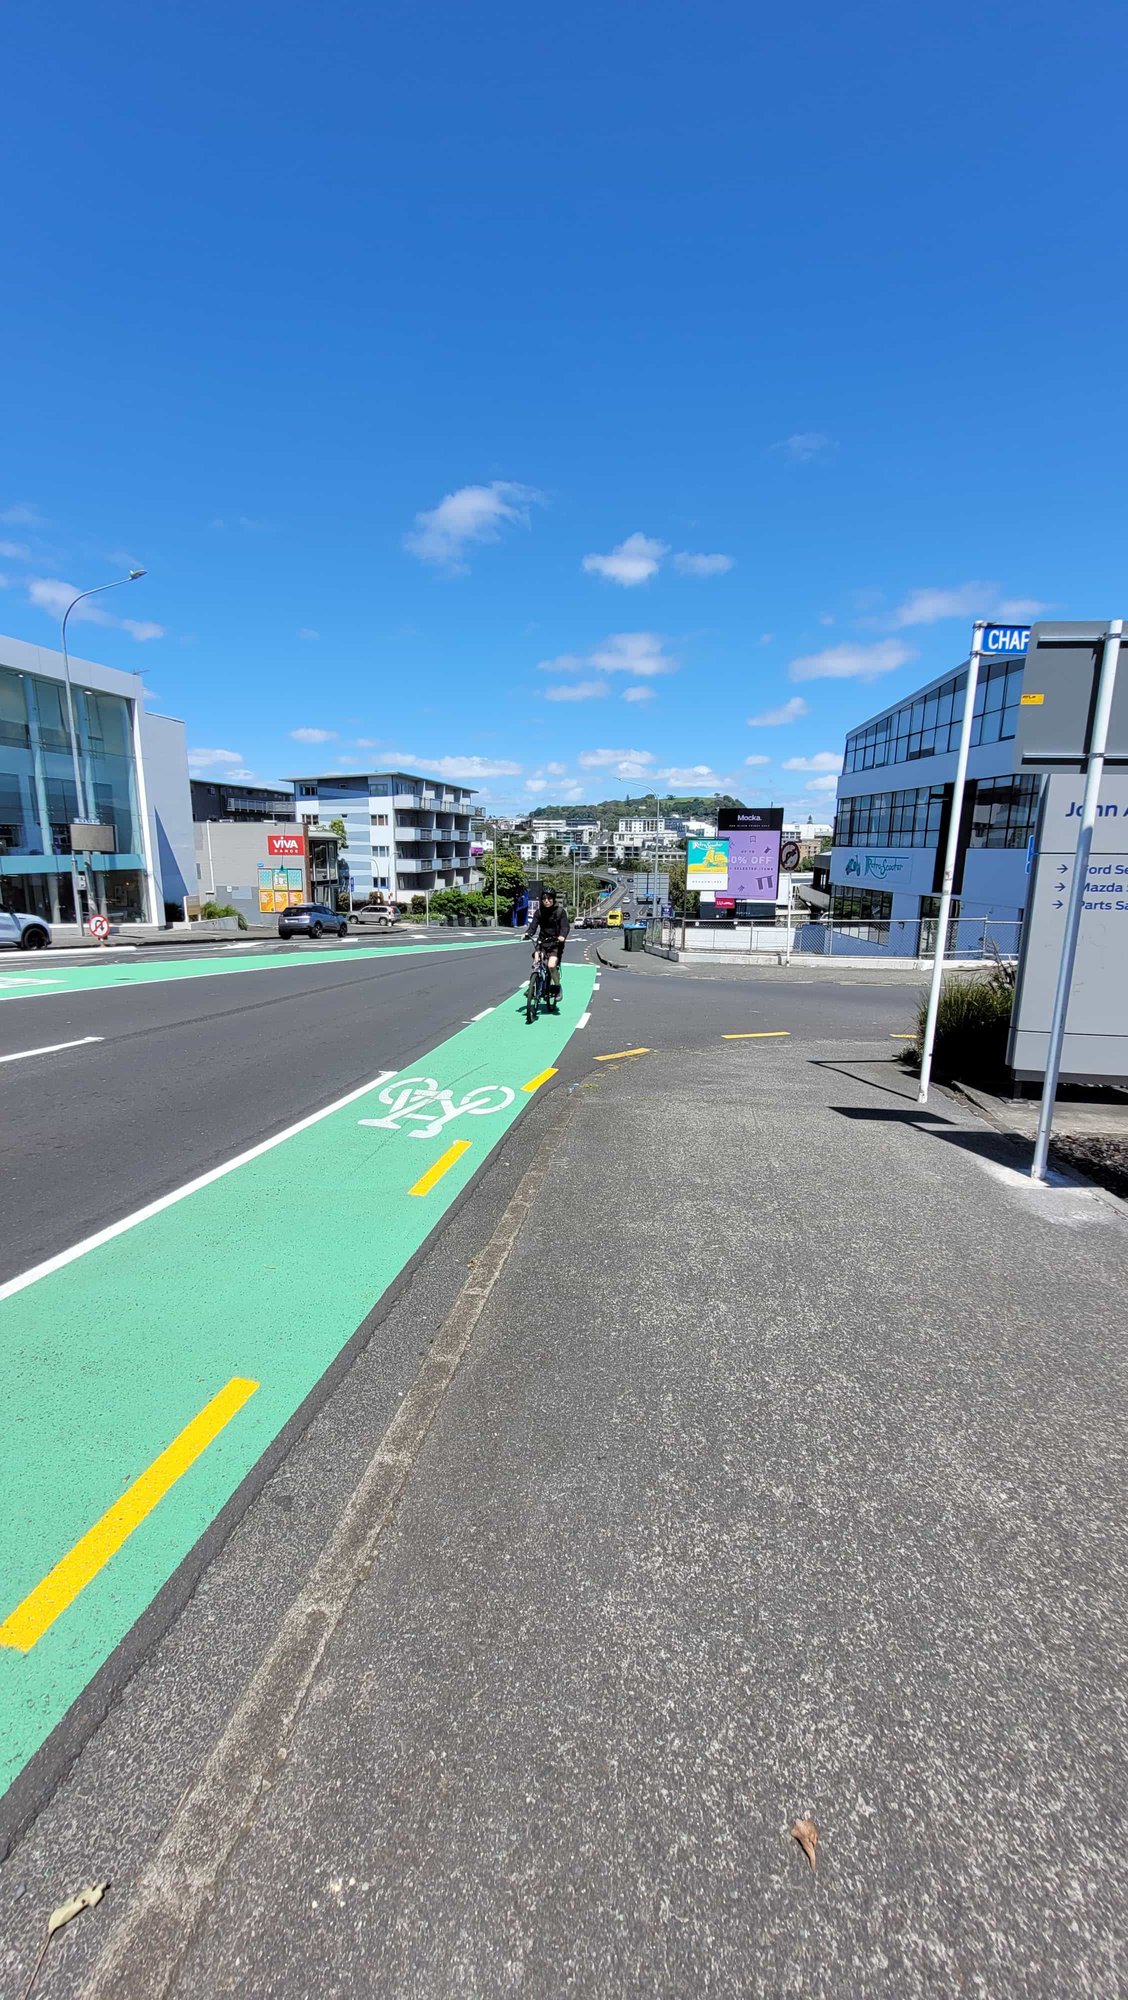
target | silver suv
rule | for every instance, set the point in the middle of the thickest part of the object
(22, 932)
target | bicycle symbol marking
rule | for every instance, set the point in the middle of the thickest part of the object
(418, 1099)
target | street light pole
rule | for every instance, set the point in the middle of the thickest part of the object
(79, 789)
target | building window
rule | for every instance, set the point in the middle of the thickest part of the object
(891, 819)
(1004, 811)
(862, 913)
(379, 819)
(307, 791)
(378, 790)
(929, 725)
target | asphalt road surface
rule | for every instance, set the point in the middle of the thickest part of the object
(304, 1288)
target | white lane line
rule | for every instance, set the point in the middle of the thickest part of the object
(584, 1019)
(482, 1015)
(256, 944)
(52, 1048)
(77, 1250)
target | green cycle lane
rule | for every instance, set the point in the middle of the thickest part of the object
(146, 1374)
(18, 984)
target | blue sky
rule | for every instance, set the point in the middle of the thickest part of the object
(538, 394)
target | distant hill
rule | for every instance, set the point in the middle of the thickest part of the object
(608, 812)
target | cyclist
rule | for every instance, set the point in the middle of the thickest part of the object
(549, 925)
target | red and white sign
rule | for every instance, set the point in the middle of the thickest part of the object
(725, 902)
(285, 843)
(99, 927)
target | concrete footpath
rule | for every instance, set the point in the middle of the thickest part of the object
(774, 1474)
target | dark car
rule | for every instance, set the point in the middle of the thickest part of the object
(311, 920)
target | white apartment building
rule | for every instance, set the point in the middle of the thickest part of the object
(406, 833)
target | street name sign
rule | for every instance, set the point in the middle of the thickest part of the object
(1010, 640)
(1096, 1021)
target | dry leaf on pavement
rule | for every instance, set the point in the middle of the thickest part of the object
(73, 1907)
(806, 1832)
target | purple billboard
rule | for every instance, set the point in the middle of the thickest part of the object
(753, 836)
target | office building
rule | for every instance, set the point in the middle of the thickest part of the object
(133, 770)
(262, 866)
(894, 809)
(405, 834)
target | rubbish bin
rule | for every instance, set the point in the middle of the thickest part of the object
(633, 936)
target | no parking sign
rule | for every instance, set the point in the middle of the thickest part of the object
(99, 927)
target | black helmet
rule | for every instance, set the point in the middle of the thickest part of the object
(548, 895)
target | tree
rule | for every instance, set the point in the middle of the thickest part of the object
(337, 827)
(510, 878)
(689, 901)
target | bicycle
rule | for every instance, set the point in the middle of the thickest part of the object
(539, 992)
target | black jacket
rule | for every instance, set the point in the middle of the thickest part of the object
(550, 926)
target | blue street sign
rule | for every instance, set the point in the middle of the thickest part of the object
(1009, 639)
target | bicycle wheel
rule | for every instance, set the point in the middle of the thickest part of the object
(532, 997)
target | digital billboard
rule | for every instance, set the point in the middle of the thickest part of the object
(752, 835)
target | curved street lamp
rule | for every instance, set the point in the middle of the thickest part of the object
(79, 790)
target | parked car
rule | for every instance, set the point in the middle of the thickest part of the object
(22, 932)
(311, 920)
(374, 916)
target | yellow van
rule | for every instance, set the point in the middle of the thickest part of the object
(615, 917)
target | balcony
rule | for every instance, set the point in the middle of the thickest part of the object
(415, 833)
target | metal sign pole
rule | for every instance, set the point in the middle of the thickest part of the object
(790, 886)
(1094, 771)
(950, 855)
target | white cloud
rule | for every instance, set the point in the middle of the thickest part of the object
(214, 760)
(827, 784)
(962, 600)
(577, 691)
(760, 760)
(442, 534)
(21, 516)
(640, 693)
(695, 778)
(634, 561)
(307, 632)
(51, 594)
(556, 770)
(456, 768)
(312, 735)
(637, 653)
(15, 551)
(802, 446)
(775, 718)
(687, 564)
(548, 784)
(823, 760)
(599, 760)
(826, 617)
(766, 638)
(851, 662)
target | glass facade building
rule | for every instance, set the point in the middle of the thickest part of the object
(39, 799)
(894, 808)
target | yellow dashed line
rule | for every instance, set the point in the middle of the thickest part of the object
(442, 1166)
(902, 1038)
(758, 1035)
(620, 1053)
(71, 1574)
(535, 1082)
